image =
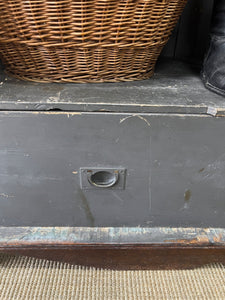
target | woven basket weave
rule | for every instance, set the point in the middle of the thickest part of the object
(84, 40)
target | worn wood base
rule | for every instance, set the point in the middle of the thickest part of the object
(132, 257)
(118, 248)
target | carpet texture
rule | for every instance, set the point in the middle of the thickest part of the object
(27, 278)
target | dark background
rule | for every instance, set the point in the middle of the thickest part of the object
(190, 38)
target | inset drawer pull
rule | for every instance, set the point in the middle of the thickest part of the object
(103, 179)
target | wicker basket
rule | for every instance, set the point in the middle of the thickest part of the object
(84, 40)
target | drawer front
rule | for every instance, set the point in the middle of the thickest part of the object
(173, 170)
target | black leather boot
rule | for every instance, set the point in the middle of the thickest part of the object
(213, 73)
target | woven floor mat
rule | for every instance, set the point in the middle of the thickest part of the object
(28, 278)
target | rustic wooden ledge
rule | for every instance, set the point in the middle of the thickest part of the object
(118, 248)
(175, 88)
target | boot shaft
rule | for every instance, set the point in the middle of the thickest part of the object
(213, 73)
(218, 20)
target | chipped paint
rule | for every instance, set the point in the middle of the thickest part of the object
(196, 241)
(6, 195)
(212, 111)
(220, 112)
(218, 238)
(52, 113)
(194, 237)
(55, 98)
(187, 195)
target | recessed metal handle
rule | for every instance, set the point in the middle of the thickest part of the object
(103, 179)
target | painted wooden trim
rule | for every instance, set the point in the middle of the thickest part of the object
(74, 236)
